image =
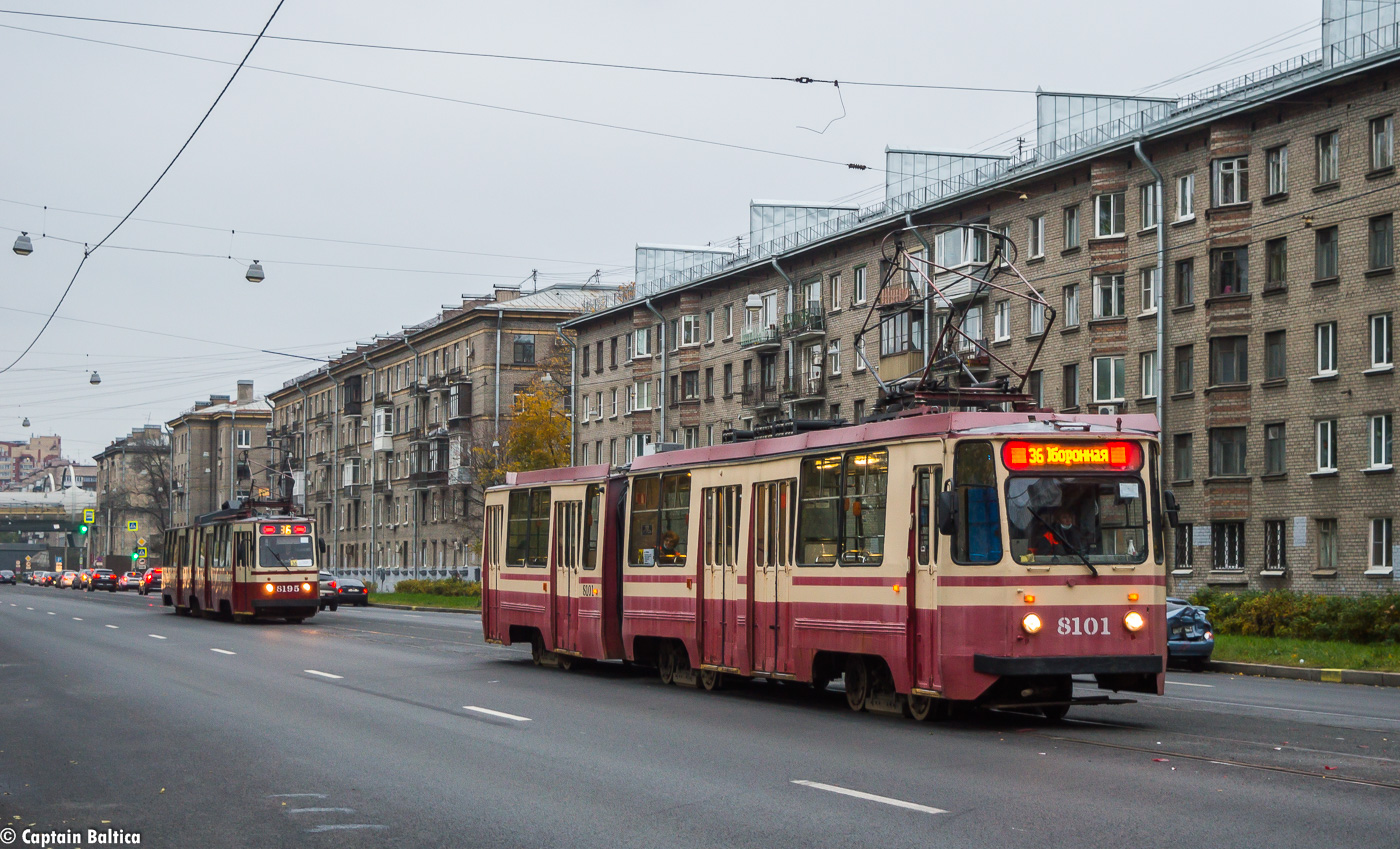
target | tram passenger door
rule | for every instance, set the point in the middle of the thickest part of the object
(492, 566)
(769, 570)
(923, 565)
(566, 563)
(724, 634)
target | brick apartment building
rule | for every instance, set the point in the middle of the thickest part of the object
(220, 453)
(19, 460)
(1274, 291)
(133, 480)
(387, 429)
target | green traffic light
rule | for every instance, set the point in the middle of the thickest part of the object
(82, 529)
(135, 556)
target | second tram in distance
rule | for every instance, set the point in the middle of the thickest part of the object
(928, 560)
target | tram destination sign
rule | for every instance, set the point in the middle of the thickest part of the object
(1022, 455)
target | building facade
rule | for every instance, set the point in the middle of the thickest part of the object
(383, 437)
(1274, 292)
(221, 454)
(20, 460)
(133, 486)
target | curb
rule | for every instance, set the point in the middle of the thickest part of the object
(476, 611)
(1301, 673)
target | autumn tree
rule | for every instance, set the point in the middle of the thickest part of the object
(536, 436)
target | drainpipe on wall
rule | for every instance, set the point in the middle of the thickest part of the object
(305, 448)
(792, 346)
(1161, 287)
(573, 390)
(928, 296)
(336, 472)
(661, 396)
(499, 313)
(373, 502)
(417, 374)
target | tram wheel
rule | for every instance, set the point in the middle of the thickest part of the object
(1054, 713)
(666, 664)
(924, 708)
(857, 680)
(537, 649)
(566, 661)
(711, 680)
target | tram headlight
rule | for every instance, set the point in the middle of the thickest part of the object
(306, 588)
(267, 588)
(1031, 622)
(1134, 621)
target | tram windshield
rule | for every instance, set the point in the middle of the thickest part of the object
(286, 552)
(1099, 519)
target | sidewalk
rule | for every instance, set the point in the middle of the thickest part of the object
(1302, 673)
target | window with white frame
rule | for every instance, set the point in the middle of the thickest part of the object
(1071, 227)
(244, 438)
(1148, 278)
(1327, 445)
(1148, 197)
(1326, 348)
(949, 248)
(833, 357)
(1382, 559)
(1109, 215)
(979, 243)
(834, 284)
(1108, 380)
(690, 330)
(972, 324)
(709, 325)
(1037, 236)
(614, 403)
(728, 321)
(1108, 296)
(1001, 324)
(858, 285)
(1276, 166)
(1382, 149)
(1229, 181)
(1147, 363)
(1381, 355)
(1328, 549)
(1327, 154)
(1037, 318)
(641, 345)
(1185, 197)
(1381, 435)
(598, 404)
(641, 395)
(1072, 305)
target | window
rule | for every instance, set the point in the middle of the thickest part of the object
(524, 350)
(1382, 151)
(1001, 324)
(1326, 253)
(1275, 547)
(1381, 434)
(1275, 355)
(949, 248)
(834, 284)
(690, 385)
(1327, 158)
(1070, 382)
(584, 351)
(614, 403)
(728, 379)
(1071, 227)
(1227, 546)
(858, 285)
(1381, 355)
(1227, 451)
(1037, 318)
(1181, 457)
(1108, 379)
(977, 538)
(1035, 387)
(1184, 274)
(1382, 561)
(841, 509)
(834, 356)
(1326, 348)
(1275, 446)
(527, 528)
(1185, 368)
(1072, 305)
(1327, 445)
(858, 411)
(1147, 364)
(972, 326)
(612, 356)
(979, 243)
(1327, 548)
(1276, 259)
(1229, 360)
(1185, 203)
(1108, 296)
(709, 383)
(1147, 277)
(1276, 164)
(860, 354)
(642, 344)
(894, 335)
(1148, 196)
(243, 438)
(600, 357)
(1109, 214)
(728, 321)
(1229, 271)
(675, 334)
(1183, 553)
(1381, 242)
(660, 525)
(1229, 181)
(1037, 236)
(641, 395)
(709, 325)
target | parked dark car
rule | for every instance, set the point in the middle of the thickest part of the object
(7, 577)
(102, 579)
(1190, 637)
(352, 591)
(329, 588)
(150, 581)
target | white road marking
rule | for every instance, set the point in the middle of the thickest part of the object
(297, 796)
(320, 810)
(322, 674)
(497, 713)
(51, 613)
(113, 627)
(29, 608)
(342, 827)
(884, 800)
(1189, 684)
(156, 636)
(77, 618)
(223, 651)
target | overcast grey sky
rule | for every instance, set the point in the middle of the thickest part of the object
(89, 125)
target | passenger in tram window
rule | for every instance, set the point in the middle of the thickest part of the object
(669, 552)
(1062, 537)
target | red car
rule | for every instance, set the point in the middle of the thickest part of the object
(150, 582)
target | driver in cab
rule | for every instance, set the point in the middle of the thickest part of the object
(1061, 538)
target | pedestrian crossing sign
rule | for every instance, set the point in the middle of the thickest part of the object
(132, 525)
(89, 516)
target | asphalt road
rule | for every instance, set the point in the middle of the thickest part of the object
(397, 728)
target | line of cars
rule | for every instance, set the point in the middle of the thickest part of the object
(97, 579)
(336, 591)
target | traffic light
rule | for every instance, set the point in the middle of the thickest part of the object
(134, 556)
(82, 529)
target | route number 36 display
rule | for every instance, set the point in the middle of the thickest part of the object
(1074, 626)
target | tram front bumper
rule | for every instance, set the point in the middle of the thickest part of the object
(1133, 664)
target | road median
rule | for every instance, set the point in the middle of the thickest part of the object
(1307, 673)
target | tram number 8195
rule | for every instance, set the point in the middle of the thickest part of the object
(1074, 626)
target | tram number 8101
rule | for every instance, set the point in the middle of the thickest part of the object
(1073, 625)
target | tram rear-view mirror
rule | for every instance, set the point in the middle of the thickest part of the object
(1173, 509)
(947, 512)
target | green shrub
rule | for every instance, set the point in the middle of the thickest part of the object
(448, 586)
(1282, 613)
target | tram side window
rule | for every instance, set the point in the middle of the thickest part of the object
(977, 538)
(646, 521)
(493, 535)
(675, 519)
(842, 506)
(243, 549)
(660, 520)
(820, 536)
(867, 477)
(928, 482)
(591, 517)
(527, 529)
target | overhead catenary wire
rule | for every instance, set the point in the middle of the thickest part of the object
(88, 252)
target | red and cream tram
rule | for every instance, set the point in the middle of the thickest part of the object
(928, 559)
(242, 564)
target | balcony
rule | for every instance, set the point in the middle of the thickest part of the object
(383, 442)
(805, 324)
(760, 396)
(897, 297)
(427, 480)
(760, 338)
(380, 485)
(805, 387)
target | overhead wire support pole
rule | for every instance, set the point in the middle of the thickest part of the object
(87, 252)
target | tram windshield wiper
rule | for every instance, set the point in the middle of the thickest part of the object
(1062, 541)
(273, 551)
